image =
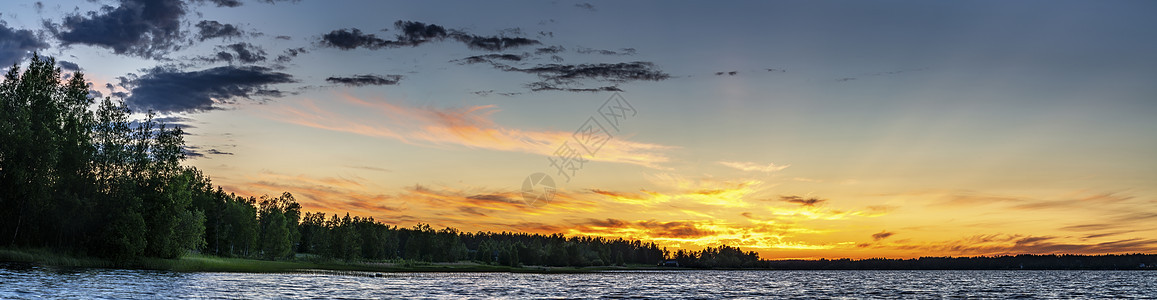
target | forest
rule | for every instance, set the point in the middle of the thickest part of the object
(97, 182)
(80, 175)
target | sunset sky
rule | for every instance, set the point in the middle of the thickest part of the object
(797, 129)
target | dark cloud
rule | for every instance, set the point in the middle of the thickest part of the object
(413, 34)
(192, 151)
(801, 201)
(290, 54)
(572, 78)
(882, 235)
(221, 3)
(195, 152)
(146, 28)
(348, 39)
(550, 50)
(494, 43)
(489, 58)
(675, 229)
(214, 29)
(219, 152)
(284, 37)
(68, 66)
(729, 73)
(166, 90)
(623, 51)
(543, 86)
(417, 33)
(367, 79)
(241, 52)
(16, 45)
(609, 223)
(613, 72)
(586, 6)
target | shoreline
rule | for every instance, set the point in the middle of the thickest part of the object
(192, 263)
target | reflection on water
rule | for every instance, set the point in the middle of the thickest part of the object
(37, 282)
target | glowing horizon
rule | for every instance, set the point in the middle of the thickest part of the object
(796, 130)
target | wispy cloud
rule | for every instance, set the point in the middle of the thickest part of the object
(471, 127)
(1009, 244)
(698, 233)
(753, 167)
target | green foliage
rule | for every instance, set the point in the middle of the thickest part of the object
(121, 188)
(190, 231)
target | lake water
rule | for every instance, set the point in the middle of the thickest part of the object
(18, 282)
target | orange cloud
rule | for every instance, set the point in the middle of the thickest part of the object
(470, 127)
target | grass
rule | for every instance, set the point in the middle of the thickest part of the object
(52, 258)
(301, 263)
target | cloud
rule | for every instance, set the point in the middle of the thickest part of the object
(413, 34)
(542, 86)
(17, 45)
(753, 167)
(586, 6)
(613, 72)
(811, 202)
(290, 54)
(493, 43)
(489, 58)
(68, 66)
(645, 198)
(549, 50)
(214, 29)
(1004, 244)
(167, 90)
(245, 53)
(417, 33)
(651, 228)
(349, 39)
(470, 127)
(369, 168)
(146, 28)
(219, 152)
(367, 79)
(573, 78)
(697, 233)
(221, 3)
(882, 235)
(623, 51)
(967, 198)
(1084, 200)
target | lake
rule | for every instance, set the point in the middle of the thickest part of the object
(17, 282)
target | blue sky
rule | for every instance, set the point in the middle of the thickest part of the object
(1010, 126)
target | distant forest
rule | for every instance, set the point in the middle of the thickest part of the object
(96, 183)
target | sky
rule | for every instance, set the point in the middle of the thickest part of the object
(796, 129)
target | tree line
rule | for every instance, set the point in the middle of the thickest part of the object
(79, 175)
